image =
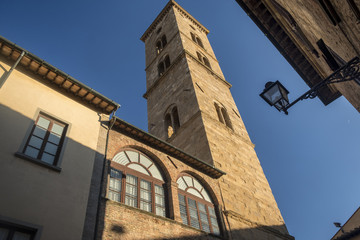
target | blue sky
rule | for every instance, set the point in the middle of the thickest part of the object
(310, 157)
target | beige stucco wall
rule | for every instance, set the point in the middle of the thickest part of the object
(30, 192)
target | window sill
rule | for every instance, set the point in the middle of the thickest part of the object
(37, 161)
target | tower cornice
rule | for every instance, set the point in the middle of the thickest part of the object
(162, 14)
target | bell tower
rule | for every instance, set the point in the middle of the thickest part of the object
(190, 106)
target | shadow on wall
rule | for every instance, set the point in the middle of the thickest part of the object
(57, 197)
(258, 233)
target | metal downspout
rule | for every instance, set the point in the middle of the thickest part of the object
(103, 172)
(7, 73)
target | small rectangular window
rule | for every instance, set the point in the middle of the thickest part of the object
(46, 140)
(332, 58)
(354, 8)
(15, 232)
(330, 11)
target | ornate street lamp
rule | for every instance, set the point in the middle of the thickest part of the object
(275, 94)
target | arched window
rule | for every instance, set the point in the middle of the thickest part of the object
(160, 44)
(136, 181)
(203, 59)
(196, 39)
(196, 207)
(206, 62)
(163, 65)
(223, 115)
(172, 121)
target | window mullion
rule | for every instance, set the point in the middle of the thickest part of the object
(46, 137)
(199, 217)
(138, 191)
(187, 210)
(153, 206)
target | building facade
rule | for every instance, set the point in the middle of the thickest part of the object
(195, 175)
(49, 131)
(351, 229)
(316, 37)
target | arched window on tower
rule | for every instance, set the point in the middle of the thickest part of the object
(196, 207)
(163, 65)
(203, 59)
(136, 181)
(172, 121)
(223, 115)
(196, 39)
(160, 44)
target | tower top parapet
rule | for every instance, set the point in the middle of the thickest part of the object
(161, 15)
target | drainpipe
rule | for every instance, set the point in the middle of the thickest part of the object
(7, 73)
(111, 124)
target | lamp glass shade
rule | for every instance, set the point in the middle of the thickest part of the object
(275, 94)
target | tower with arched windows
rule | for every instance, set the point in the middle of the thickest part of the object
(195, 175)
(208, 124)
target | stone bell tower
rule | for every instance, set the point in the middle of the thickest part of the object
(191, 107)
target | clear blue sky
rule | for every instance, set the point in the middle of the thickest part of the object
(310, 157)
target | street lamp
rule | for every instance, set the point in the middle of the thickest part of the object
(275, 94)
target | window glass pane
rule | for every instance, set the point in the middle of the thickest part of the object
(40, 132)
(145, 185)
(54, 138)
(131, 179)
(159, 190)
(21, 236)
(115, 173)
(138, 168)
(191, 203)
(145, 161)
(121, 158)
(115, 184)
(57, 129)
(115, 196)
(51, 148)
(48, 158)
(181, 184)
(194, 192)
(145, 206)
(160, 211)
(134, 156)
(42, 122)
(35, 142)
(201, 207)
(145, 195)
(3, 233)
(181, 199)
(130, 201)
(155, 172)
(131, 191)
(31, 152)
(159, 200)
(211, 211)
